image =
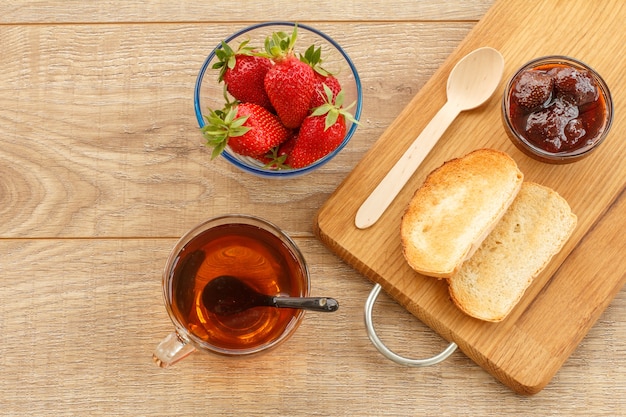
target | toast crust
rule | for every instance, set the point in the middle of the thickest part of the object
(455, 209)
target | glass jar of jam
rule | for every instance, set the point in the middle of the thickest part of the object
(557, 109)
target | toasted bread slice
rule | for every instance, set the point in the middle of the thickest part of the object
(531, 232)
(456, 208)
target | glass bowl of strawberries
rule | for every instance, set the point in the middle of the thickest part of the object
(278, 99)
(557, 109)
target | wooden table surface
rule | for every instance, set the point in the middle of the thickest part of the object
(102, 168)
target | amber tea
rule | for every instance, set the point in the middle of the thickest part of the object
(262, 259)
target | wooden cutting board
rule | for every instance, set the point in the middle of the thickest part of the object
(526, 349)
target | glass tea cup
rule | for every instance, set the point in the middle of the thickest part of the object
(249, 248)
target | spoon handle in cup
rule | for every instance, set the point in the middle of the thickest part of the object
(324, 304)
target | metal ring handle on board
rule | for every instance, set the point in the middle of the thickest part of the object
(388, 353)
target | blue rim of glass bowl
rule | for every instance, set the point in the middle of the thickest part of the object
(290, 172)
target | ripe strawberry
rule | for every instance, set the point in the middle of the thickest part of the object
(313, 57)
(243, 72)
(319, 97)
(286, 147)
(289, 83)
(314, 141)
(321, 132)
(276, 157)
(249, 130)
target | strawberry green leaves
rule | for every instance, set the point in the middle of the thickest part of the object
(334, 108)
(220, 126)
(280, 44)
(227, 57)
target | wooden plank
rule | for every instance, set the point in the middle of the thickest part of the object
(77, 11)
(590, 186)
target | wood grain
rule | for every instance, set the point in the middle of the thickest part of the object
(524, 357)
(87, 114)
(75, 11)
(102, 168)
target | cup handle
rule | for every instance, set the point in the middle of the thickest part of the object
(386, 352)
(172, 349)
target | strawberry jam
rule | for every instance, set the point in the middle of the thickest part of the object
(557, 107)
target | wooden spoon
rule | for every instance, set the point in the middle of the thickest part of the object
(471, 82)
(226, 295)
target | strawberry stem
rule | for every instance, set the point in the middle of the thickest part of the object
(333, 109)
(274, 160)
(227, 57)
(280, 45)
(313, 57)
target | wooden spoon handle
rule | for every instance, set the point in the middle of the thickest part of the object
(387, 190)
